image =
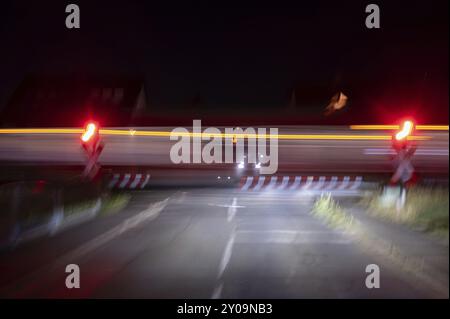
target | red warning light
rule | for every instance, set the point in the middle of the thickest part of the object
(406, 130)
(90, 131)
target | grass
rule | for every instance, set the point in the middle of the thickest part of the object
(114, 203)
(111, 204)
(76, 208)
(426, 209)
(328, 210)
(36, 206)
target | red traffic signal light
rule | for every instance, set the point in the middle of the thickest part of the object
(406, 130)
(90, 132)
(400, 138)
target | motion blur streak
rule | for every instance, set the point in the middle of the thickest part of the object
(432, 127)
(222, 135)
(42, 131)
(396, 127)
(374, 127)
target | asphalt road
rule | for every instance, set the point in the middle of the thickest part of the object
(202, 243)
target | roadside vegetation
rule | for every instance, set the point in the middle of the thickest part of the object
(32, 205)
(329, 210)
(426, 209)
(113, 203)
(110, 204)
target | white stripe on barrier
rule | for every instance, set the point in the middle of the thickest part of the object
(261, 180)
(137, 179)
(114, 181)
(125, 180)
(145, 181)
(309, 182)
(278, 183)
(129, 181)
(296, 183)
(344, 183)
(248, 182)
(284, 182)
(320, 183)
(273, 182)
(356, 183)
(333, 182)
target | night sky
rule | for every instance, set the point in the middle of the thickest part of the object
(244, 60)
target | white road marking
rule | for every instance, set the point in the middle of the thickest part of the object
(217, 291)
(40, 277)
(150, 213)
(281, 236)
(232, 210)
(226, 256)
(226, 206)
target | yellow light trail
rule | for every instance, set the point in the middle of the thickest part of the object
(41, 131)
(432, 127)
(374, 127)
(200, 135)
(397, 127)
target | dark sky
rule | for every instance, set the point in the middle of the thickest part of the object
(243, 58)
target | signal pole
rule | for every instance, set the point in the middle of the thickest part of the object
(405, 150)
(92, 146)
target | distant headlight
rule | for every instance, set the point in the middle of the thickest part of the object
(258, 165)
(241, 165)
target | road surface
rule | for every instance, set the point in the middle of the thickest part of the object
(203, 243)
